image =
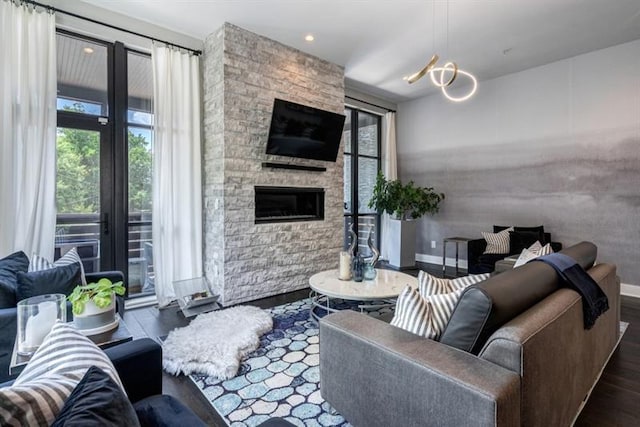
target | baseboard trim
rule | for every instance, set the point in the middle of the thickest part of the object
(434, 259)
(139, 302)
(629, 290)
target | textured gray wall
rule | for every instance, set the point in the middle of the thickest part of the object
(242, 74)
(557, 145)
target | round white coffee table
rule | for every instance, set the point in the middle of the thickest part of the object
(377, 293)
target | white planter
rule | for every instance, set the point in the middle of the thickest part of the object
(402, 243)
(95, 320)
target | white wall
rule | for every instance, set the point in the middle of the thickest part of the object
(557, 145)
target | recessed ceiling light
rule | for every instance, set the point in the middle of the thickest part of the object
(309, 37)
(88, 50)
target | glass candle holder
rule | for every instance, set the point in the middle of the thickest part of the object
(36, 317)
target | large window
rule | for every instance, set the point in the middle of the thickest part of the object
(104, 157)
(362, 162)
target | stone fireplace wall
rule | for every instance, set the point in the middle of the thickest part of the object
(242, 74)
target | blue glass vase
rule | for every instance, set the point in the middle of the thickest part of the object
(369, 272)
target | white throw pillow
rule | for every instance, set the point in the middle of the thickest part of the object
(412, 312)
(39, 263)
(497, 243)
(426, 317)
(38, 394)
(431, 285)
(533, 252)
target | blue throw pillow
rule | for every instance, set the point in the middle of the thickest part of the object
(59, 280)
(9, 268)
(97, 401)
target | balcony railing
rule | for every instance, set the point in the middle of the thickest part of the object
(83, 232)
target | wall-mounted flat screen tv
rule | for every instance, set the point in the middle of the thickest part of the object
(306, 132)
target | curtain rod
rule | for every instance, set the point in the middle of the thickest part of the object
(369, 103)
(55, 9)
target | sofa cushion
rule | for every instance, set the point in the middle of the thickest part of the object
(412, 312)
(59, 280)
(532, 253)
(10, 266)
(38, 394)
(424, 316)
(497, 243)
(520, 240)
(165, 411)
(432, 285)
(39, 263)
(538, 230)
(97, 400)
(485, 307)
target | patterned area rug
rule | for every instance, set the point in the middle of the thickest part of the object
(279, 379)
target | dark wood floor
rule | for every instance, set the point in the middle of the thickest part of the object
(614, 402)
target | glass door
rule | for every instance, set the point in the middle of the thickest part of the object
(105, 153)
(362, 161)
(84, 211)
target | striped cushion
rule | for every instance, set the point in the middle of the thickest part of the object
(40, 391)
(532, 253)
(442, 306)
(497, 243)
(431, 285)
(39, 263)
(426, 317)
(412, 312)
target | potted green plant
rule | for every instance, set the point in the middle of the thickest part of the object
(404, 203)
(93, 304)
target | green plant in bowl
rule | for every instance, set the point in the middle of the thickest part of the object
(100, 292)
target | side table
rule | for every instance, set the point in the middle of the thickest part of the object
(103, 340)
(457, 241)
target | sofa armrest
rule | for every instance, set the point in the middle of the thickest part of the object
(8, 321)
(402, 379)
(139, 365)
(475, 248)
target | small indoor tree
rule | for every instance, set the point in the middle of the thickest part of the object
(404, 201)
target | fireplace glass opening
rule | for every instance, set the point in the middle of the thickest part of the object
(285, 204)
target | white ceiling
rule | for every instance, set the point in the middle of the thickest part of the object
(380, 41)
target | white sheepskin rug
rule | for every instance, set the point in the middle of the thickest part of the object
(215, 343)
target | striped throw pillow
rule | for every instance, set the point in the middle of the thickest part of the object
(412, 312)
(442, 306)
(426, 317)
(39, 392)
(529, 254)
(497, 243)
(39, 263)
(431, 285)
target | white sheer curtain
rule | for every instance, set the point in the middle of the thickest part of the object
(177, 184)
(390, 170)
(27, 130)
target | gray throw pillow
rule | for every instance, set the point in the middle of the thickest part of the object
(59, 280)
(10, 266)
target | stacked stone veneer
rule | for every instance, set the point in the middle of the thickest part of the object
(242, 74)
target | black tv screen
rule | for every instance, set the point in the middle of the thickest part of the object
(306, 132)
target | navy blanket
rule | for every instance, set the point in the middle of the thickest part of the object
(594, 301)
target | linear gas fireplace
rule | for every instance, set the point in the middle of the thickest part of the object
(285, 204)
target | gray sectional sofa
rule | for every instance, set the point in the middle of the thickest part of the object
(515, 352)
